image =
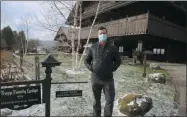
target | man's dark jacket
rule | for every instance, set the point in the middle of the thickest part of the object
(102, 61)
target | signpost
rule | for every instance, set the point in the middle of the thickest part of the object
(71, 93)
(48, 63)
(24, 97)
(144, 73)
(20, 97)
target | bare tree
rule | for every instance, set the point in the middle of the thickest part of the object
(79, 36)
(56, 13)
(27, 35)
(59, 6)
(33, 44)
(73, 38)
(96, 14)
(73, 29)
(25, 28)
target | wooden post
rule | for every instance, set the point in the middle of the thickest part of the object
(37, 68)
(144, 74)
(21, 59)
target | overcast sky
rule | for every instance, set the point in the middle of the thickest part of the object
(13, 14)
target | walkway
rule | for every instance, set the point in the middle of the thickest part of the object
(178, 73)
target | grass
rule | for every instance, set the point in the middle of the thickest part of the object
(67, 60)
(29, 57)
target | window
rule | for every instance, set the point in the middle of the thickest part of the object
(158, 51)
(163, 51)
(154, 51)
(120, 49)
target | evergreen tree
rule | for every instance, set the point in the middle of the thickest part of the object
(3, 43)
(8, 36)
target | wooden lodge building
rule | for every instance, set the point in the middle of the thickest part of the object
(160, 25)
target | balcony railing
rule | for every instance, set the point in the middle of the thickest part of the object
(127, 26)
(137, 25)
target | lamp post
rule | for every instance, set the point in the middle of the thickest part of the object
(144, 73)
(145, 59)
(49, 62)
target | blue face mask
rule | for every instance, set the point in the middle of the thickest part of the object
(102, 37)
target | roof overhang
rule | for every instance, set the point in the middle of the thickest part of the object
(178, 7)
(115, 6)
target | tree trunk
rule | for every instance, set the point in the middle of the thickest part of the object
(90, 33)
(26, 45)
(77, 52)
(73, 37)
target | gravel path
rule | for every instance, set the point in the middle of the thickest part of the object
(178, 73)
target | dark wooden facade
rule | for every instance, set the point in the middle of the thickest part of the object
(159, 24)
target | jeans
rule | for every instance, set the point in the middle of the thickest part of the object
(109, 92)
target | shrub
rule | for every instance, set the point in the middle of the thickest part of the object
(139, 55)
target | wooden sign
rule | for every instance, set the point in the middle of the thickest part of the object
(71, 93)
(20, 97)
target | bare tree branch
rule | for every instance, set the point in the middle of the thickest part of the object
(70, 9)
(61, 13)
(47, 21)
(90, 33)
(44, 26)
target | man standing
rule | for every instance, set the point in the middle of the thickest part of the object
(102, 60)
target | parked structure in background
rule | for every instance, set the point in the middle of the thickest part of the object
(161, 26)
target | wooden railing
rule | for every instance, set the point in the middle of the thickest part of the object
(127, 26)
(135, 25)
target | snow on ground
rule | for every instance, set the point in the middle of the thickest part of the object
(73, 72)
(128, 79)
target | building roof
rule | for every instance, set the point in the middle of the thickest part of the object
(64, 44)
(110, 5)
(66, 32)
(135, 25)
(61, 31)
(104, 7)
(175, 4)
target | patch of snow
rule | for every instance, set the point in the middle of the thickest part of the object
(5, 112)
(74, 72)
(131, 103)
(140, 100)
